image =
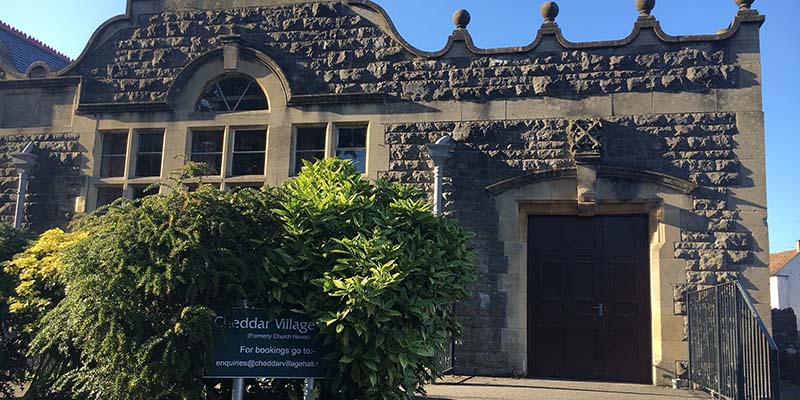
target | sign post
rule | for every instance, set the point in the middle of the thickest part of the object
(249, 344)
(309, 388)
(238, 389)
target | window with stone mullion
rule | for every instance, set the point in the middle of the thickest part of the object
(148, 158)
(351, 144)
(107, 195)
(114, 153)
(249, 152)
(309, 145)
(207, 149)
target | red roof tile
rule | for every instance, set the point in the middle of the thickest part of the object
(779, 260)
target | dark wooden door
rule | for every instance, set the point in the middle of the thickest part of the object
(588, 298)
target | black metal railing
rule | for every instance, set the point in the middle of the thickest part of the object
(731, 353)
(444, 358)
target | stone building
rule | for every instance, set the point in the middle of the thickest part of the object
(602, 179)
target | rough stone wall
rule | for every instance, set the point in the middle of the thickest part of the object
(696, 147)
(329, 48)
(55, 184)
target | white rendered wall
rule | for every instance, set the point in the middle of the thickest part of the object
(785, 288)
(778, 291)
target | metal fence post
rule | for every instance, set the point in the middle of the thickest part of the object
(719, 341)
(689, 336)
(745, 355)
(739, 348)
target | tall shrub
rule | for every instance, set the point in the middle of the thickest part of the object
(141, 290)
(370, 263)
(377, 269)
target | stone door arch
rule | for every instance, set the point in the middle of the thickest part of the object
(619, 191)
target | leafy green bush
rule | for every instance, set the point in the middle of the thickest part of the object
(140, 291)
(371, 264)
(386, 273)
(12, 342)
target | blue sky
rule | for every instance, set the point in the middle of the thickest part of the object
(68, 24)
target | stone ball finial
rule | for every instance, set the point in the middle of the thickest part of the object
(549, 11)
(645, 7)
(744, 4)
(461, 18)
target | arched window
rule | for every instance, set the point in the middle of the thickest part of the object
(38, 72)
(232, 94)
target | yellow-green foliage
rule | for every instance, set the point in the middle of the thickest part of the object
(13, 364)
(37, 271)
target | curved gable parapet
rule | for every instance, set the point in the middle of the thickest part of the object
(552, 29)
(349, 50)
(102, 34)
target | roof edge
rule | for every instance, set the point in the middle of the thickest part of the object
(34, 42)
(462, 36)
(552, 29)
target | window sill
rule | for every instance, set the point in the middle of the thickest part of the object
(205, 179)
(144, 180)
(246, 178)
(108, 181)
(212, 115)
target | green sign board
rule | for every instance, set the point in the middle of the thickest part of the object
(249, 344)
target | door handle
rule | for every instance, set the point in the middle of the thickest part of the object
(601, 308)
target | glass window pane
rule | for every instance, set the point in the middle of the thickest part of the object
(106, 195)
(248, 164)
(247, 185)
(357, 157)
(250, 141)
(311, 138)
(310, 156)
(254, 99)
(212, 101)
(352, 137)
(233, 94)
(139, 191)
(207, 142)
(214, 162)
(112, 166)
(148, 164)
(151, 142)
(234, 87)
(115, 143)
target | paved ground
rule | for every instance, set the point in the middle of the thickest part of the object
(477, 388)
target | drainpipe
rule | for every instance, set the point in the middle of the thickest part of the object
(439, 153)
(24, 161)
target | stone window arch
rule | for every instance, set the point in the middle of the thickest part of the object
(38, 70)
(232, 94)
